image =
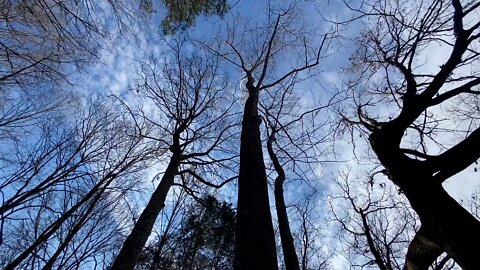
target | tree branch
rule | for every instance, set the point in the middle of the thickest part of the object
(457, 158)
(296, 70)
(205, 182)
(466, 88)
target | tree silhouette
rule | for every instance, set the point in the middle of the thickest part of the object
(419, 148)
(193, 125)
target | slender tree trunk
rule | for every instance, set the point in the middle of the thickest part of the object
(157, 255)
(289, 254)
(94, 193)
(254, 237)
(457, 231)
(71, 234)
(133, 245)
(382, 265)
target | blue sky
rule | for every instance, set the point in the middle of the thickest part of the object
(119, 62)
(119, 67)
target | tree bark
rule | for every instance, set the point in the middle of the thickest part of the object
(254, 236)
(382, 265)
(157, 255)
(133, 245)
(422, 251)
(288, 247)
(457, 231)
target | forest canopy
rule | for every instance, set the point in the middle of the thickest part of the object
(218, 134)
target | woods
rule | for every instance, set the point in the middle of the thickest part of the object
(233, 135)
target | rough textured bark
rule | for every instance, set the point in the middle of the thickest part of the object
(457, 230)
(133, 245)
(442, 217)
(422, 251)
(418, 174)
(289, 254)
(254, 236)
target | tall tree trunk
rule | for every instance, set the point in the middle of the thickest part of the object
(457, 231)
(289, 255)
(254, 237)
(133, 245)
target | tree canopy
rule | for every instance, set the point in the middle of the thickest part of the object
(217, 134)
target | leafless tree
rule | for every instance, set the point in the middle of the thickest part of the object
(194, 120)
(309, 234)
(296, 135)
(61, 179)
(257, 49)
(432, 135)
(376, 224)
(473, 203)
(44, 40)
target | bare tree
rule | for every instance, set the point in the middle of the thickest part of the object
(43, 40)
(310, 230)
(194, 121)
(45, 43)
(62, 178)
(256, 49)
(374, 222)
(377, 224)
(295, 138)
(433, 133)
(289, 254)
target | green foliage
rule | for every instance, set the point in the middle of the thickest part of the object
(146, 6)
(182, 14)
(204, 240)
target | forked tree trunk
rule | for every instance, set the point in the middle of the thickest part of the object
(442, 217)
(445, 219)
(133, 245)
(254, 237)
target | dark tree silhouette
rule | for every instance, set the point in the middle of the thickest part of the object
(376, 224)
(256, 50)
(203, 239)
(194, 122)
(295, 138)
(395, 47)
(62, 179)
